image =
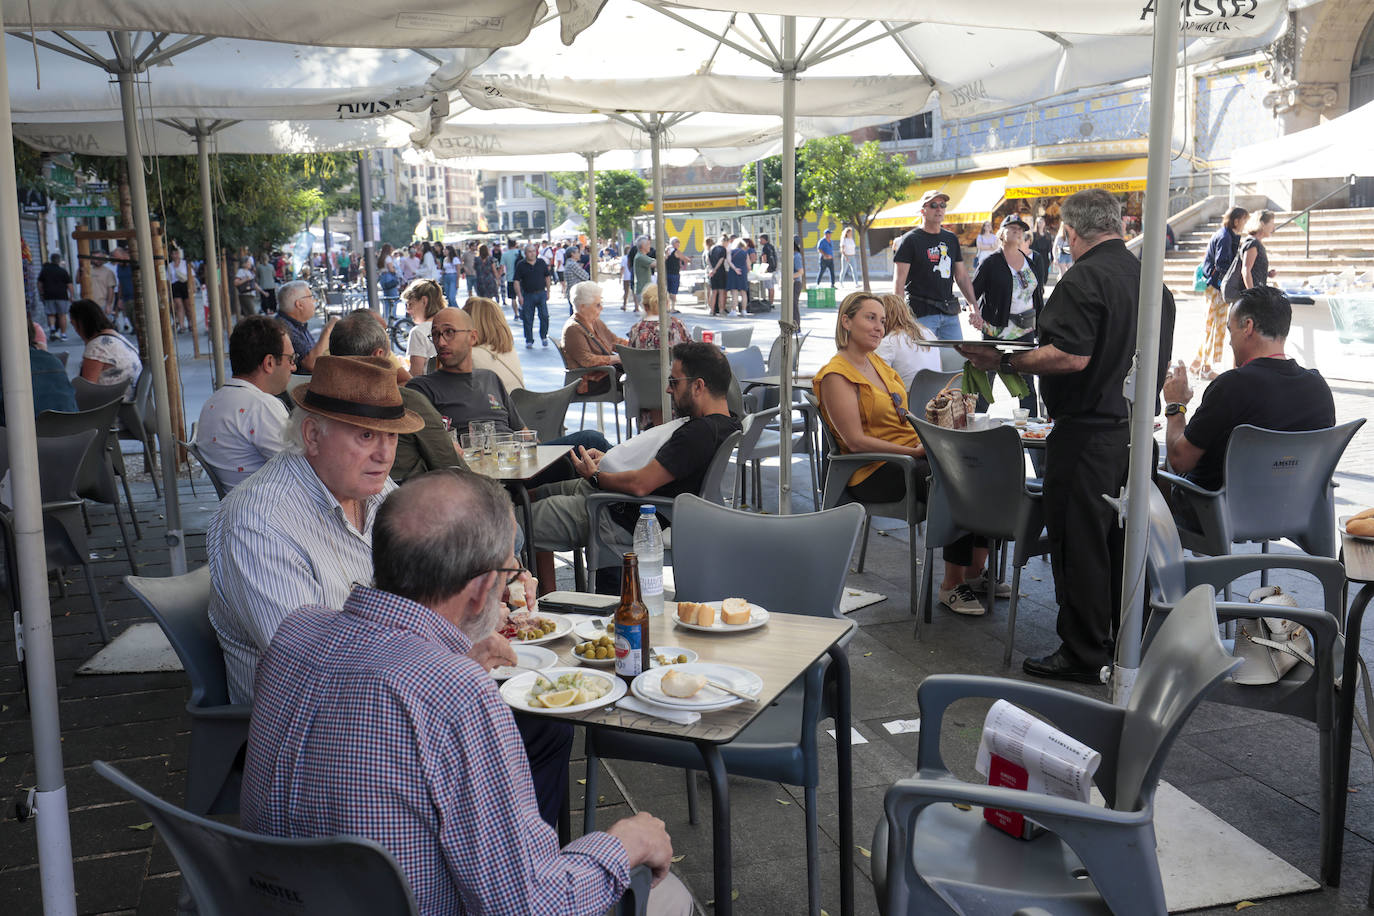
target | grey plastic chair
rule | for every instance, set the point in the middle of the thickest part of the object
(978, 486)
(615, 396)
(926, 384)
(911, 508)
(219, 729)
(64, 532)
(781, 744)
(931, 857)
(89, 394)
(597, 503)
(735, 337)
(774, 365)
(1274, 485)
(747, 363)
(103, 461)
(1305, 692)
(136, 424)
(762, 438)
(231, 871)
(221, 488)
(544, 411)
(643, 385)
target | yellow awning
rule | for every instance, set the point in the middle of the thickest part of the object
(1063, 178)
(972, 198)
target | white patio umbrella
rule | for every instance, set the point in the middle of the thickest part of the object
(176, 27)
(1335, 149)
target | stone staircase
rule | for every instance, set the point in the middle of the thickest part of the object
(1341, 240)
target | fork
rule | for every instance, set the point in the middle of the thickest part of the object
(732, 691)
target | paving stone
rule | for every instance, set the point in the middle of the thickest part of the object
(104, 884)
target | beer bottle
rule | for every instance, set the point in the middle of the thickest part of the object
(632, 646)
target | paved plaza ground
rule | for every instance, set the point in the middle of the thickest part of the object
(1256, 771)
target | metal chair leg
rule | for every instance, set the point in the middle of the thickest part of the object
(95, 600)
(589, 801)
(128, 543)
(921, 598)
(691, 796)
(150, 464)
(863, 543)
(1011, 615)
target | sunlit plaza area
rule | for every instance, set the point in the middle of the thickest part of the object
(660, 458)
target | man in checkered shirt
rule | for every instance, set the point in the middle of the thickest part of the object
(381, 720)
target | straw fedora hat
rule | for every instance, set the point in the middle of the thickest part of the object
(360, 390)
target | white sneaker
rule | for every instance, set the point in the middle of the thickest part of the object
(961, 600)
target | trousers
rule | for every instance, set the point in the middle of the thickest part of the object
(1082, 462)
(535, 302)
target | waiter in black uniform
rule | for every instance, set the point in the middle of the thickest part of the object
(1087, 340)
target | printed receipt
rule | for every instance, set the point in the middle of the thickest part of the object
(1055, 763)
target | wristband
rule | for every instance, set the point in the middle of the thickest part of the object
(1175, 409)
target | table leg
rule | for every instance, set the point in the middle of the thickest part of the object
(1345, 722)
(720, 828)
(839, 667)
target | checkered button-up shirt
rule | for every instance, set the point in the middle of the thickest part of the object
(374, 722)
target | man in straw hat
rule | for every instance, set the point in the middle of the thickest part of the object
(299, 531)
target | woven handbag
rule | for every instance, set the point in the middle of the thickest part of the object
(951, 407)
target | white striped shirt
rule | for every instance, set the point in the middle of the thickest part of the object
(280, 541)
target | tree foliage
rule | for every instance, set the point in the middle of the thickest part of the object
(620, 196)
(853, 182)
(398, 222)
(772, 185)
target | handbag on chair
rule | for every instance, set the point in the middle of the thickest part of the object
(1270, 646)
(951, 407)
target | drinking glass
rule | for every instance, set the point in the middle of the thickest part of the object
(1020, 415)
(507, 452)
(527, 440)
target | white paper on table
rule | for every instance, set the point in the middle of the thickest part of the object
(1056, 764)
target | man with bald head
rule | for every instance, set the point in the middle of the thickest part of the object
(434, 770)
(465, 395)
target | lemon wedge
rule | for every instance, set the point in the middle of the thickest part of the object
(559, 698)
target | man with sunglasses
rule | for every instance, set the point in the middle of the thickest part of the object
(699, 385)
(433, 769)
(242, 424)
(925, 268)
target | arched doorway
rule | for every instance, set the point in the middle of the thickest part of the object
(1362, 93)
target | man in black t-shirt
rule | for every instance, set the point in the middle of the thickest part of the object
(770, 262)
(56, 291)
(717, 271)
(1087, 341)
(531, 280)
(927, 264)
(699, 385)
(1266, 389)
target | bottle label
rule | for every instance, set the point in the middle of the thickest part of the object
(629, 646)
(650, 585)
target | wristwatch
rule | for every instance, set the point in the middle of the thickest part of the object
(1005, 364)
(1175, 409)
(595, 480)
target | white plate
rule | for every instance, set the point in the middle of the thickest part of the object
(646, 686)
(584, 630)
(594, 662)
(672, 652)
(536, 657)
(757, 618)
(563, 626)
(1359, 537)
(516, 691)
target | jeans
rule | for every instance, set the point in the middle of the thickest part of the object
(451, 289)
(943, 327)
(472, 284)
(847, 266)
(826, 264)
(533, 301)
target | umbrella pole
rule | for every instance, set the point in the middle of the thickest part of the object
(1134, 506)
(31, 568)
(212, 287)
(365, 214)
(665, 361)
(592, 240)
(788, 322)
(138, 195)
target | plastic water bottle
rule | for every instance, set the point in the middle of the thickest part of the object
(649, 549)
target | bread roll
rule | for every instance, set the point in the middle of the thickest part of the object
(706, 615)
(1368, 513)
(681, 685)
(687, 611)
(734, 611)
(1363, 527)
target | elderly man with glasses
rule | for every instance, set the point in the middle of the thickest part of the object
(699, 386)
(433, 771)
(295, 307)
(925, 268)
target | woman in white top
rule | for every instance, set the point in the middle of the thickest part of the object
(901, 347)
(423, 300)
(987, 243)
(495, 347)
(180, 281)
(109, 358)
(848, 252)
(429, 268)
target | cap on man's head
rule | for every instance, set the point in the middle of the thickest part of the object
(360, 390)
(1014, 219)
(930, 195)
(828, 231)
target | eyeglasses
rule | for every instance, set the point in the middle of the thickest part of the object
(514, 576)
(937, 204)
(293, 357)
(446, 334)
(672, 382)
(897, 405)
